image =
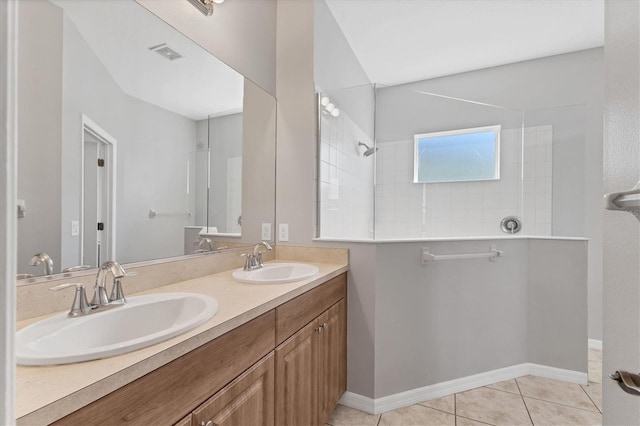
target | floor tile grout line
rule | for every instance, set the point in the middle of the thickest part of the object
(589, 396)
(474, 420)
(455, 404)
(379, 419)
(500, 390)
(437, 409)
(524, 403)
(568, 406)
(455, 411)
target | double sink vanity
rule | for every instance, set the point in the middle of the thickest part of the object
(264, 346)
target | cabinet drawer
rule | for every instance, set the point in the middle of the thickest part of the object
(296, 313)
(248, 400)
(166, 395)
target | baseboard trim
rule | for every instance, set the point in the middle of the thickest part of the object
(595, 344)
(407, 398)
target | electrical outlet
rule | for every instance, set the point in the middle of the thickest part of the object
(283, 232)
(266, 232)
(75, 228)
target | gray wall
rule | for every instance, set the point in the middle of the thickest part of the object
(557, 303)
(573, 81)
(40, 132)
(449, 319)
(621, 230)
(153, 147)
(337, 71)
(453, 319)
(242, 34)
(258, 162)
(295, 162)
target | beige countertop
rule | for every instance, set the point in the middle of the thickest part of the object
(45, 394)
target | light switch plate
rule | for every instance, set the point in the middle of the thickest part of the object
(283, 232)
(75, 228)
(266, 232)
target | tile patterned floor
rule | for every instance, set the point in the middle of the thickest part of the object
(526, 400)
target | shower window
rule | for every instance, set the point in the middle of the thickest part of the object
(457, 155)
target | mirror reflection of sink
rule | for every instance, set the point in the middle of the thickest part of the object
(143, 321)
(276, 273)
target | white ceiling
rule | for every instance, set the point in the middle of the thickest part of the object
(120, 34)
(399, 41)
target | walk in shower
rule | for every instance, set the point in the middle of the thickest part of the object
(395, 163)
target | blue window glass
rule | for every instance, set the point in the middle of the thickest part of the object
(457, 155)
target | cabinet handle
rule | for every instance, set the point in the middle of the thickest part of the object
(208, 423)
(318, 329)
(323, 325)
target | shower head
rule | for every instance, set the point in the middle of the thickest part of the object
(369, 151)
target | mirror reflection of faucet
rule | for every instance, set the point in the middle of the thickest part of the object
(204, 244)
(77, 268)
(43, 258)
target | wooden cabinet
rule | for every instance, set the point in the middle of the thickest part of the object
(248, 400)
(168, 394)
(285, 367)
(297, 380)
(311, 370)
(333, 358)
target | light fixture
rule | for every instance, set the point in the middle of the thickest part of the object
(204, 6)
(327, 107)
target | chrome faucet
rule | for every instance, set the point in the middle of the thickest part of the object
(44, 258)
(254, 261)
(204, 244)
(100, 297)
(100, 300)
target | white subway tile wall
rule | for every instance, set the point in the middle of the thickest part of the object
(538, 180)
(346, 180)
(408, 210)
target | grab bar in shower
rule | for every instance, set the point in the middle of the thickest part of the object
(493, 252)
(154, 213)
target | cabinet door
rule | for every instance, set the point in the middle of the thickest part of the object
(248, 400)
(333, 359)
(297, 378)
(184, 422)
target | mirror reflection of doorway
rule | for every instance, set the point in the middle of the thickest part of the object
(98, 195)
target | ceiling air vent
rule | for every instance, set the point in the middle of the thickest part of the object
(166, 52)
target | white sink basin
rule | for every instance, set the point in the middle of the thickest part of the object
(275, 273)
(143, 321)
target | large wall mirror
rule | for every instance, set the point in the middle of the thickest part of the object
(134, 142)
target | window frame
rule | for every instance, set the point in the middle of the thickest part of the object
(496, 129)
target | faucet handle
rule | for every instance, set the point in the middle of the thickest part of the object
(117, 295)
(80, 304)
(248, 261)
